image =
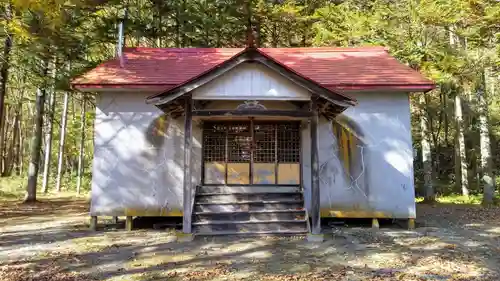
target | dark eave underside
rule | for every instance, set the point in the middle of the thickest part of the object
(176, 109)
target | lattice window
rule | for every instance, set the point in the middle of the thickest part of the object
(214, 142)
(265, 143)
(288, 142)
(239, 140)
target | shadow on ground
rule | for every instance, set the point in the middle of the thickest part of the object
(452, 243)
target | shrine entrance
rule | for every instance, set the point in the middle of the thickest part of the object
(251, 153)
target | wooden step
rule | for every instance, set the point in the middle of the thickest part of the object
(247, 197)
(249, 206)
(249, 226)
(246, 216)
(216, 222)
(254, 233)
(224, 189)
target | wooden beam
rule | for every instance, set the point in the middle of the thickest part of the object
(234, 112)
(315, 188)
(187, 190)
(252, 150)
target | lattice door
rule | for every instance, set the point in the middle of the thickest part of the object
(242, 153)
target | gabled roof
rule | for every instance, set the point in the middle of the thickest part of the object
(365, 68)
(251, 55)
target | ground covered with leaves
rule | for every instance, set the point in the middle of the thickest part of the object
(50, 241)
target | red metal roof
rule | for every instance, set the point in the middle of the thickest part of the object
(363, 68)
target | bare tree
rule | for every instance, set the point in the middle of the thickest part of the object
(49, 129)
(4, 73)
(426, 155)
(60, 158)
(461, 173)
(81, 153)
(460, 147)
(36, 144)
(487, 179)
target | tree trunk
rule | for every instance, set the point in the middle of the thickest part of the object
(258, 31)
(20, 148)
(487, 178)
(36, 144)
(48, 133)
(5, 138)
(160, 27)
(177, 26)
(82, 143)
(275, 35)
(73, 160)
(460, 147)
(4, 74)
(60, 157)
(429, 195)
(13, 151)
(184, 25)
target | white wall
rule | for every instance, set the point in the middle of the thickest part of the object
(251, 81)
(385, 187)
(137, 171)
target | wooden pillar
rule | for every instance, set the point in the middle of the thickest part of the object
(252, 148)
(93, 223)
(411, 224)
(187, 190)
(129, 223)
(315, 191)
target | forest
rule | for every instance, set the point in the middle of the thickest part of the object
(47, 127)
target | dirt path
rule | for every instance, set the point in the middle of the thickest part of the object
(51, 242)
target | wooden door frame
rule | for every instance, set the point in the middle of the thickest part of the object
(252, 123)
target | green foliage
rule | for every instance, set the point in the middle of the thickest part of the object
(474, 199)
(449, 41)
(14, 188)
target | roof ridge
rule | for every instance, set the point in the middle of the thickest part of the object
(332, 49)
(366, 66)
(182, 50)
(235, 50)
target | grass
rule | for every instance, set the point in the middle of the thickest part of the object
(474, 199)
(14, 189)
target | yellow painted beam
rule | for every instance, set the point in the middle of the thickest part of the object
(160, 212)
(355, 214)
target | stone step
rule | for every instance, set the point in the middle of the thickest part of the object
(250, 226)
(246, 197)
(224, 189)
(249, 216)
(249, 206)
